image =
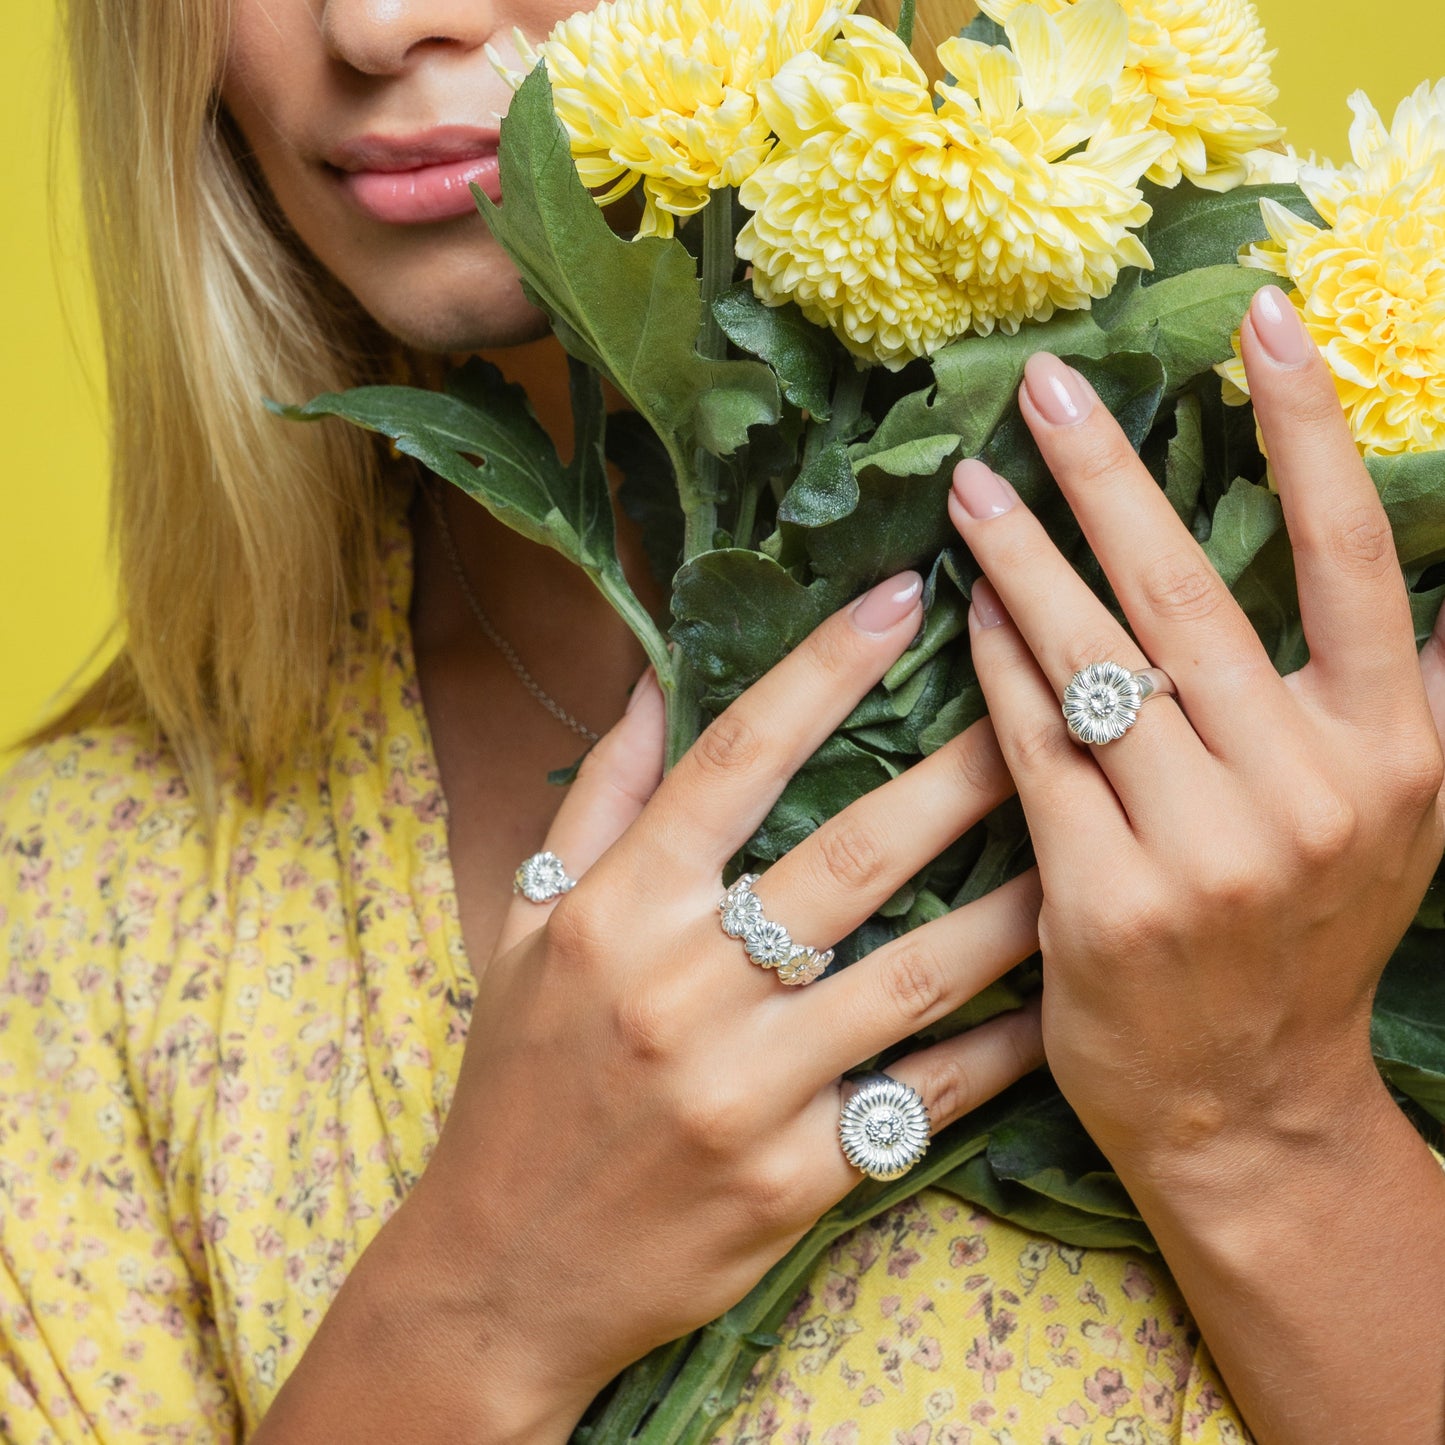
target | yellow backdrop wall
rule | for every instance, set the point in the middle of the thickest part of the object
(55, 588)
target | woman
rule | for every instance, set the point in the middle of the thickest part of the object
(270, 1174)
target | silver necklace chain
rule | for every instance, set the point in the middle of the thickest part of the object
(493, 636)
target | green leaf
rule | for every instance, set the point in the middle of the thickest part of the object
(1412, 487)
(1193, 228)
(737, 613)
(985, 31)
(1187, 321)
(975, 382)
(1245, 519)
(946, 619)
(648, 494)
(1407, 1027)
(920, 457)
(803, 355)
(976, 1182)
(958, 713)
(899, 522)
(838, 774)
(1425, 608)
(1184, 461)
(631, 309)
(824, 491)
(480, 433)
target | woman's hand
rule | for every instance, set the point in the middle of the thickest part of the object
(645, 1121)
(1224, 884)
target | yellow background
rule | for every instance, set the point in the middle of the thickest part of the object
(55, 588)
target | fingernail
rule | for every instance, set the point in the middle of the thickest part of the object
(981, 492)
(643, 685)
(985, 609)
(1058, 392)
(1279, 328)
(887, 604)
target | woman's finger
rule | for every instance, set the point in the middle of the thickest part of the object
(840, 875)
(1353, 601)
(1066, 627)
(908, 984)
(1176, 603)
(712, 801)
(1057, 781)
(952, 1078)
(613, 785)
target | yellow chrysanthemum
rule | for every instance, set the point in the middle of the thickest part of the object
(664, 91)
(1206, 64)
(901, 228)
(1370, 283)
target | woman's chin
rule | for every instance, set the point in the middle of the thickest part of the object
(443, 322)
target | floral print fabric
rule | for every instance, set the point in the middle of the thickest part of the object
(938, 1324)
(220, 1073)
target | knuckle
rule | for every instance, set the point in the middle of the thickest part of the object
(1120, 921)
(576, 929)
(914, 983)
(647, 1026)
(976, 765)
(833, 648)
(951, 1089)
(712, 1121)
(1180, 588)
(1361, 543)
(772, 1191)
(1324, 825)
(1228, 882)
(1419, 771)
(1100, 460)
(850, 855)
(1040, 746)
(1315, 404)
(1081, 651)
(728, 745)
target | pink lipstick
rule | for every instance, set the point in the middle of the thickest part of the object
(411, 180)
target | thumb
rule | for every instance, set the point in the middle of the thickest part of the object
(613, 785)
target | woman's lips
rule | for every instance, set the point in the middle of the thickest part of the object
(437, 192)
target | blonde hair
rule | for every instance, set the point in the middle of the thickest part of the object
(243, 543)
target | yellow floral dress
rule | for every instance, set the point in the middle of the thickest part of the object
(217, 1080)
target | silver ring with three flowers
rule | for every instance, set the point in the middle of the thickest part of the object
(768, 944)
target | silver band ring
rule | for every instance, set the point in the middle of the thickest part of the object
(884, 1127)
(542, 878)
(768, 944)
(1103, 699)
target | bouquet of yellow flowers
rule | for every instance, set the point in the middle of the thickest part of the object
(837, 274)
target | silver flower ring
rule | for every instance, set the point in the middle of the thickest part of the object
(1103, 699)
(884, 1126)
(768, 944)
(542, 878)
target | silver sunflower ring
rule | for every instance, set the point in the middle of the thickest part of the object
(1103, 699)
(884, 1127)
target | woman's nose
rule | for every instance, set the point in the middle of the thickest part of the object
(379, 37)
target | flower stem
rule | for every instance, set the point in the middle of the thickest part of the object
(700, 519)
(718, 264)
(905, 21)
